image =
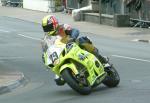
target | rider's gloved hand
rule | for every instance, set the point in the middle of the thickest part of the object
(71, 40)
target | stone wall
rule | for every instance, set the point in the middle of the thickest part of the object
(142, 13)
(138, 9)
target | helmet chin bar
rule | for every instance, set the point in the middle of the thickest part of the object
(51, 33)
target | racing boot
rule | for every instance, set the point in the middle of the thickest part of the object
(59, 81)
(103, 60)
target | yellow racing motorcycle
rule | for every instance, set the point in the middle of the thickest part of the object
(80, 69)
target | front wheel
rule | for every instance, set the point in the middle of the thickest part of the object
(112, 79)
(72, 81)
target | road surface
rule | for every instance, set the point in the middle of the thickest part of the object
(20, 50)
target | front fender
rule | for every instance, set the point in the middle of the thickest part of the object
(69, 66)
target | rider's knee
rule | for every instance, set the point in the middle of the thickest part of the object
(84, 39)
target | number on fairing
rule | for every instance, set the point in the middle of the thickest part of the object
(54, 56)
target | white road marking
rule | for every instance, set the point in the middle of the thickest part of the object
(2, 59)
(8, 58)
(135, 40)
(5, 31)
(141, 40)
(136, 81)
(131, 58)
(29, 37)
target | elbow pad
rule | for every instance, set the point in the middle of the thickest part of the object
(74, 33)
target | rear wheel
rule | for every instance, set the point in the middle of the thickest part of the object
(112, 79)
(72, 81)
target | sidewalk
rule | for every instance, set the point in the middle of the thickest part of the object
(10, 80)
(127, 33)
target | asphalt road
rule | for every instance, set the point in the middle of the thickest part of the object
(20, 46)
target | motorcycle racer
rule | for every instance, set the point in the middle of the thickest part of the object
(51, 27)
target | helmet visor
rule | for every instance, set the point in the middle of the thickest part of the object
(48, 28)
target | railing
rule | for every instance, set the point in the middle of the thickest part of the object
(140, 23)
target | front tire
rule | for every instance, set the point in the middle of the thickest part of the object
(70, 79)
(112, 79)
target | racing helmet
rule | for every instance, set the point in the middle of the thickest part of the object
(50, 25)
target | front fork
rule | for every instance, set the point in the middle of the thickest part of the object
(69, 66)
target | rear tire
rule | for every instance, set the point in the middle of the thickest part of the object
(112, 79)
(69, 78)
